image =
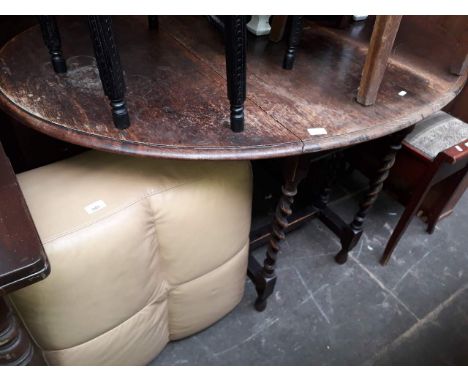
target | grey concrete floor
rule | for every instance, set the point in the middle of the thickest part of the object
(412, 312)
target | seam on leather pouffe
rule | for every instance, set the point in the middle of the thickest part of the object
(163, 321)
(240, 255)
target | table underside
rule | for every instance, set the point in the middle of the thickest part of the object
(177, 98)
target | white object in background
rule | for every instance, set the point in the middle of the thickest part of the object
(259, 25)
(359, 18)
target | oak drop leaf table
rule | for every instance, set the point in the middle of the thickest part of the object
(176, 94)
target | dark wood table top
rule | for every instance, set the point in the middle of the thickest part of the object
(176, 89)
(22, 257)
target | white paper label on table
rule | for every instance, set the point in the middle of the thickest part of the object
(317, 131)
(95, 206)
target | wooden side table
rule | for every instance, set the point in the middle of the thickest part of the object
(22, 262)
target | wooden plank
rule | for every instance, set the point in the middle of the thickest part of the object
(383, 36)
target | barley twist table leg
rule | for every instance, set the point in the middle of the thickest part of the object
(350, 240)
(296, 171)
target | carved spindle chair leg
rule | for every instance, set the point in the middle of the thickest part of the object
(293, 42)
(51, 37)
(15, 345)
(153, 22)
(350, 239)
(296, 171)
(110, 68)
(235, 44)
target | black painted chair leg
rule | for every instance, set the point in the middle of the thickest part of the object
(110, 68)
(51, 37)
(293, 41)
(153, 22)
(235, 36)
(351, 238)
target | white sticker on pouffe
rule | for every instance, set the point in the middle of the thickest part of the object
(95, 206)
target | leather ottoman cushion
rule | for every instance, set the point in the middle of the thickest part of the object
(125, 234)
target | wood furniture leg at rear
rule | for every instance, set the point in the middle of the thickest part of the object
(110, 68)
(459, 31)
(380, 47)
(351, 235)
(278, 25)
(153, 22)
(235, 36)
(51, 37)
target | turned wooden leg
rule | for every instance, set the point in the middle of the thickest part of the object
(51, 37)
(153, 22)
(16, 347)
(235, 36)
(332, 164)
(110, 69)
(295, 171)
(293, 42)
(351, 238)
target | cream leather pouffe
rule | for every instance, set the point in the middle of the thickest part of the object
(142, 251)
